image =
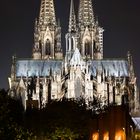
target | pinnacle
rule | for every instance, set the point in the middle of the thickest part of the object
(72, 18)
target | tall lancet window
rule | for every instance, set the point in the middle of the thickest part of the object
(40, 44)
(72, 44)
(87, 47)
(94, 47)
(78, 87)
(48, 47)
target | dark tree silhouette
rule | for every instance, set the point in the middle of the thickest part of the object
(11, 118)
(59, 120)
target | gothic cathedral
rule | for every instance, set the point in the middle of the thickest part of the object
(79, 72)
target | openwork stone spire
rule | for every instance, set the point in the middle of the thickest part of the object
(47, 13)
(86, 16)
(47, 41)
(72, 19)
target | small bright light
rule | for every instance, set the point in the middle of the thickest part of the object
(120, 135)
(106, 136)
(95, 136)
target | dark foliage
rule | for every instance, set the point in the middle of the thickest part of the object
(66, 120)
(58, 116)
(11, 118)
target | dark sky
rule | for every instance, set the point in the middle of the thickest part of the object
(120, 19)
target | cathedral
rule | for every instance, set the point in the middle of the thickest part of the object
(81, 71)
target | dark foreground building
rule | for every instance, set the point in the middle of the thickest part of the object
(113, 124)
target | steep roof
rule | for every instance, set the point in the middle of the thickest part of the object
(110, 67)
(37, 67)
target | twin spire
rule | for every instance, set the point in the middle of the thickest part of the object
(85, 15)
(47, 13)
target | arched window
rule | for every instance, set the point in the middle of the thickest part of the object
(40, 45)
(48, 47)
(87, 48)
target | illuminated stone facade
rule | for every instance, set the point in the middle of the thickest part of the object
(81, 73)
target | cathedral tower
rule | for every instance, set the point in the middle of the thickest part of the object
(91, 35)
(71, 36)
(47, 36)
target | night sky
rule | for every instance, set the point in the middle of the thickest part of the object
(119, 18)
